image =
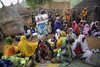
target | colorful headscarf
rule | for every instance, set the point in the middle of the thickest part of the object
(86, 29)
(62, 34)
(74, 25)
(60, 40)
(8, 41)
(26, 48)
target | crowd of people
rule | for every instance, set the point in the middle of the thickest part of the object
(68, 41)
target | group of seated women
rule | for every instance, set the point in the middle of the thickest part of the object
(61, 47)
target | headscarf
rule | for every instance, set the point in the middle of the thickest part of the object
(8, 41)
(75, 27)
(86, 29)
(57, 35)
(26, 48)
(58, 31)
(60, 41)
(70, 30)
(84, 43)
(80, 38)
(92, 24)
(63, 34)
(71, 35)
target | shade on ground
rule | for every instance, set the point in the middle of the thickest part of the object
(73, 64)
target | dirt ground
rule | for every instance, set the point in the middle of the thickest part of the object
(94, 42)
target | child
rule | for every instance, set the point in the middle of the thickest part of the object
(78, 50)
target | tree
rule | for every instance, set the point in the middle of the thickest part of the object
(36, 3)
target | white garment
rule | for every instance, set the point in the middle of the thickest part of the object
(84, 45)
(96, 33)
(92, 24)
(57, 34)
(28, 32)
(87, 55)
(71, 36)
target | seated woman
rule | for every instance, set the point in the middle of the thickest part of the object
(54, 39)
(59, 41)
(43, 51)
(76, 28)
(95, 29)
(86, 29)
(84, 47)
(9, 49)
(26, 48)
(63, 51)
(71, 37)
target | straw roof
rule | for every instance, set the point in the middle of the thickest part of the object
(11, 23)
(20, 9)
(7, 14)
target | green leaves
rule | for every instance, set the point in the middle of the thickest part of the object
(36, 3)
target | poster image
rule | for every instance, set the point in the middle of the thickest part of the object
(41, 26)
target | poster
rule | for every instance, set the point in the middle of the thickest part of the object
(41, 24)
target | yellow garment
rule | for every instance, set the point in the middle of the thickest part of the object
(59, 41)
(68, 17)
(26, 48)
(84, 13)
(63, 34)
(9, 50)
(55, 50)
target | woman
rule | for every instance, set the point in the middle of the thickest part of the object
(86, 29)
(57, 24)
(76, 28)
(71, 37)
(60, 39)
(44, 51)
(54, 39)
(9, 49)
(85, 49)
(26, 48)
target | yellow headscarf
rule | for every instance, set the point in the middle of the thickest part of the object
(62, 36)
(25, 47)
